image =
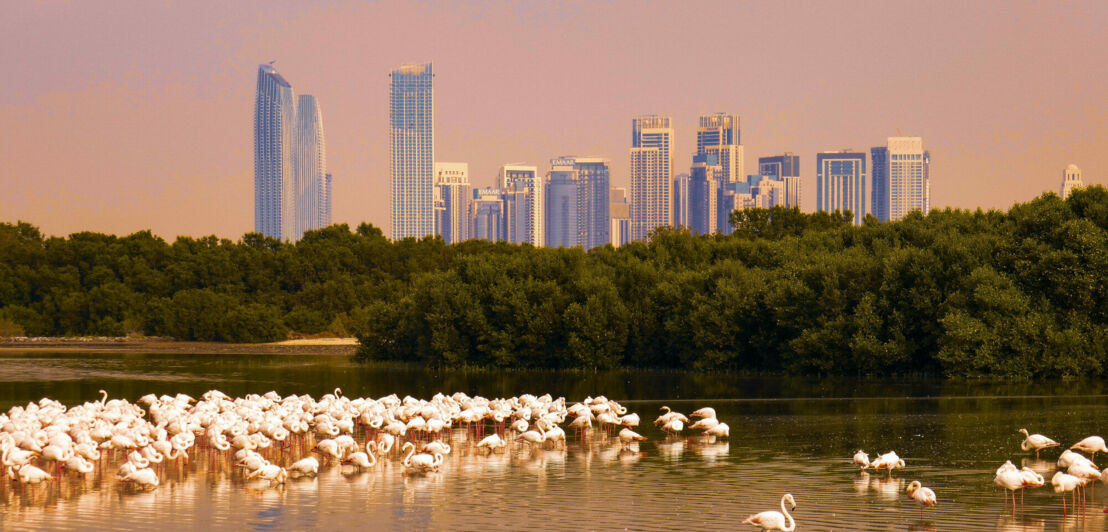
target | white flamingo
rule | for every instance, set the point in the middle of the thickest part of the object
(774, 520)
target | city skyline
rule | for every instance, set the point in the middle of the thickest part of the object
(145, 130)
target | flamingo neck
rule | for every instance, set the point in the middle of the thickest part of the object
(791, 524)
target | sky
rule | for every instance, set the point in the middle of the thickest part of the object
(120, 116)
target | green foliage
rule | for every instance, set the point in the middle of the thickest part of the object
(1022, 293)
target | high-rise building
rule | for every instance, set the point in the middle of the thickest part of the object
(703, 194)
(719, 134)
(327, 217)
(452, 193)
(651, 174)
(621, 217)
(412, 150)
(311, 165)
(488, 214)
(786, 167)
(1071, 179)
(900, 174)
(275, 205)
(589, 177)
(841, 183)
(526, 215)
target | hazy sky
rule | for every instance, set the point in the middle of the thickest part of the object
(122, 116)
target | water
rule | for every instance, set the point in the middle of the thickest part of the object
(791, 435)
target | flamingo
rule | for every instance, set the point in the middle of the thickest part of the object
(861, 459)
(1063, 482)
(1009, 479)
(719, 431)
(627, 436)
(774, 520)
(29, 474)
(706, 412)
(1091, 445)
(305, 466)
(705, 424)
(888, 461)
(492, 443)
(145, 478)
(1036, 442)
(673, 426)
(924, 496)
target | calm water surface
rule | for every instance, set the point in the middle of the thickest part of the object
(787, 435)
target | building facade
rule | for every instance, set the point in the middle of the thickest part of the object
(487, 210)
(527, 216)
(841, 183)
(901, 175)
(328, 219)
(621, 217)
(562, 213)
(275, 202)
(719, 134)
(785, 167)
(651, 174)
(412, 150)
(590, 223)
(681, 215)
(311, 165)
(452, 194)
(1071, 179)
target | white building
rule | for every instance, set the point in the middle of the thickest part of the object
(651, 175)
(528, 209)
(311, 167)
(1071, 179)
(901, 178)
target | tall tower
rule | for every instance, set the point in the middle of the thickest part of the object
(703, 194)
(412, 150)
(1071, 179)
(841, 183)
(311, 166)
(719, 134)
(275, 204)
(527, 214)
(583, 181)
(327, 217)
(651, 174)
(562, 214)
(452, 188)
(901, 178)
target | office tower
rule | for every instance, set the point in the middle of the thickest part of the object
(1071, 179)
(786, 167)
(704, 194)
(412, 150)
(651, 174)
(621, 217)
(562, 215)
(841, 183)
(526, 217)
(719, 134)
(900, 174)
(590, 225)
(327, 218)
(488, 214)
(681, 216)
(275, 203)
(452, 193)
(311, 165)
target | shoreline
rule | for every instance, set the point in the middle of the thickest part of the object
(321, 346)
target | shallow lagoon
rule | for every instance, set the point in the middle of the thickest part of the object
(787, 435)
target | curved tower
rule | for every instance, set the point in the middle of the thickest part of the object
(274, 155)
(311, 166)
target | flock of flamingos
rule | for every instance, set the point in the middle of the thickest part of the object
(45, 439)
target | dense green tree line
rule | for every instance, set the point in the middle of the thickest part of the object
(1017, 293)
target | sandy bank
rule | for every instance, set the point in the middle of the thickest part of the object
(316, 346)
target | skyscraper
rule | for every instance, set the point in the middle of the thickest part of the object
(1071, 179)
(488, 214)
(786, 167)
(719, 134)
(583, 181)
(703, 194)
(453, 191)
(901, 178)
(526, 215)
(681, 216)
(275, 205)
(311, 166)
(412, 150)
(841, 183)
(651, 174)
(327, 217)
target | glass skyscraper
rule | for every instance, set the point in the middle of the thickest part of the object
(719, 135)
(526, 215)
(311, 167)
(453, 191)
(584, 182)
(841, 183)
(786, 168)
(275, 204)
(412, 150)
(651, 175)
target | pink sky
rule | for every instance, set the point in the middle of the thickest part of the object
(122, 116)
